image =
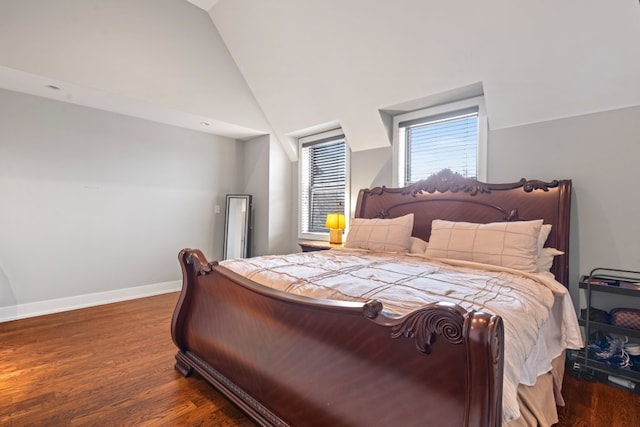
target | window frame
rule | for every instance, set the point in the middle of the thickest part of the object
(398, 179)
(323, 137)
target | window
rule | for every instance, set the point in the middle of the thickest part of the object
(324, 181)
(449, 136)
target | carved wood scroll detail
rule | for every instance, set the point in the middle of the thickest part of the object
(371, 309)
(446, 180)
(200, 264)
(423, 325)
(529, 186)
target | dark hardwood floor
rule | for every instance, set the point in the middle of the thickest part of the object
(105, 365)
(113, 365)
(593, 404)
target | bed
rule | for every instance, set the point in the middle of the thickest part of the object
(287, 358)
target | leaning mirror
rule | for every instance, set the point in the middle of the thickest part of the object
(237, 229)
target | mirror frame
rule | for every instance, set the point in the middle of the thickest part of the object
(245, 237)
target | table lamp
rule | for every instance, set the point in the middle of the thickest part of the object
(335, 224)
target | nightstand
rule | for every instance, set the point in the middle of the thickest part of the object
(317, 245)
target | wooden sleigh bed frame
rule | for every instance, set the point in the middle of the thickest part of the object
(291, 360)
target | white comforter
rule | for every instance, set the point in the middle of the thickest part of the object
(404, 282)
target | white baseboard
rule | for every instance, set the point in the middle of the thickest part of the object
(32, 309)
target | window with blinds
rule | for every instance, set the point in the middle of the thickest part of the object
(323, 180)
(450, 136)
(435, 143)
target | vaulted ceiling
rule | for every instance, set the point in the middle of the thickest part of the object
(311, 62)
(289, 67)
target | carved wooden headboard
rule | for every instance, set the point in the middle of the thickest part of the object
(450, 196)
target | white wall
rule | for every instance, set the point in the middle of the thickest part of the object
(256, 183)
(95, 202)
(370, 168)
(268, 179)
(280, 197)
(600, 153)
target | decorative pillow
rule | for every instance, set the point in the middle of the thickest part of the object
(507, 244)
(417, 245)
(545, 258)
(545, 230)
(391, 235)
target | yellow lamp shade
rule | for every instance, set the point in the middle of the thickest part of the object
(335, 221)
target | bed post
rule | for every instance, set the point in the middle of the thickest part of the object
(481, 334)
(484, 347)
(192, 262)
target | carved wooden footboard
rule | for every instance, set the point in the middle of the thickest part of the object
(290, 360)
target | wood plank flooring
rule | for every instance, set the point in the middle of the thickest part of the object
(112, 365)
(105, 365)
(593, 404)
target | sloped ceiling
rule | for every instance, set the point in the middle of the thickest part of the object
(337, 61)
(292, 67)
(161, 60)
(203, 4)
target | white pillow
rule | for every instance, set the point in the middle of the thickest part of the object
(545, 258)
(545, 230)
(391, 235)
(507, 244)
(417, 245)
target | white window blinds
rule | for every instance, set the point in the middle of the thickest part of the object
(323, 182)
(448, 140)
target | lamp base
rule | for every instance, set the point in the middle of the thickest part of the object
(335, 235)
